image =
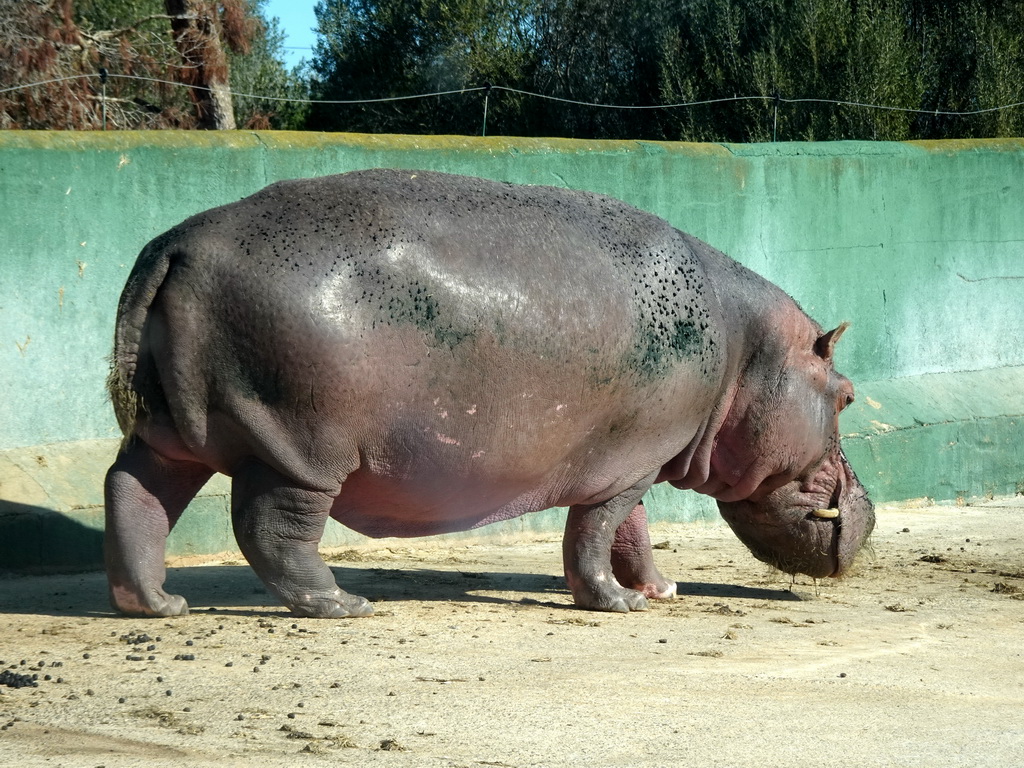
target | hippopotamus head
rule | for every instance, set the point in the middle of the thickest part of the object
(801, 508)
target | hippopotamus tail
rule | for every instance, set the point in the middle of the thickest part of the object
(143, 284)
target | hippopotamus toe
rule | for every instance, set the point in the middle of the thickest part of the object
(338, 606)
(156, 604)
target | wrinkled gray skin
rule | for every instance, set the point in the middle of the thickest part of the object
(413, 353)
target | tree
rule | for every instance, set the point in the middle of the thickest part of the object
(747, 56)
(198, 28)
(394, 48)
(145, 46)
(39, 41)
(261, 72)
(814, 49)
(972, 57)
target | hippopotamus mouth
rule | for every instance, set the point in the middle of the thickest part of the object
(813, 526)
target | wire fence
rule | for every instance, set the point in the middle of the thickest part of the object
(488, 89)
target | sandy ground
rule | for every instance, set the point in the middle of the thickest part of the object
(477, 658)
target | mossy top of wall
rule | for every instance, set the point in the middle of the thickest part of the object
(119, 140)
(920, 245)
(306, 140)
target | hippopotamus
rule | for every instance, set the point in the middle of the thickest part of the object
(414, 353)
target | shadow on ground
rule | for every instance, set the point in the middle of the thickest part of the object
(235, 589)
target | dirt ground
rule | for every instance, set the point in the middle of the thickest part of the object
(476, 657)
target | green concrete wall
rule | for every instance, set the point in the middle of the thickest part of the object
(920, 245)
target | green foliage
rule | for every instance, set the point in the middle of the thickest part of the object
(393, 48)
(600, 51)
(261, 71)
(972, 57)
(908, 54)
(813, 49)
(115, 14)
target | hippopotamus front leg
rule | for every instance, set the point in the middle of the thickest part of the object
(278, 526)
(607, 554)
(632, 560)
(145, 495)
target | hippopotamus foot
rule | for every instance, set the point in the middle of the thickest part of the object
(278, 526)
(607, 555)
(608, 597)
(145, 495)
(337, 605)
(155, 604)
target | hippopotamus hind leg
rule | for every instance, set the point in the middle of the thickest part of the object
(145, 495)
(278, 526)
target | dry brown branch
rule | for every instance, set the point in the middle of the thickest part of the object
(104, 35)
(41, 41)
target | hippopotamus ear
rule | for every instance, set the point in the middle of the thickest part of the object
(826, 343)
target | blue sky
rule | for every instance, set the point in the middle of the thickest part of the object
(297, 22)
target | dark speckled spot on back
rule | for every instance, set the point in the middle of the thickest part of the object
(417, 305)
(661, 345)
(685, 339)
(671, 314)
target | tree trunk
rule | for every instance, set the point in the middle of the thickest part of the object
(204, 68)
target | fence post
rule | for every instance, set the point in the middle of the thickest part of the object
(103, 97)
(487, 97)
(775, 118)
